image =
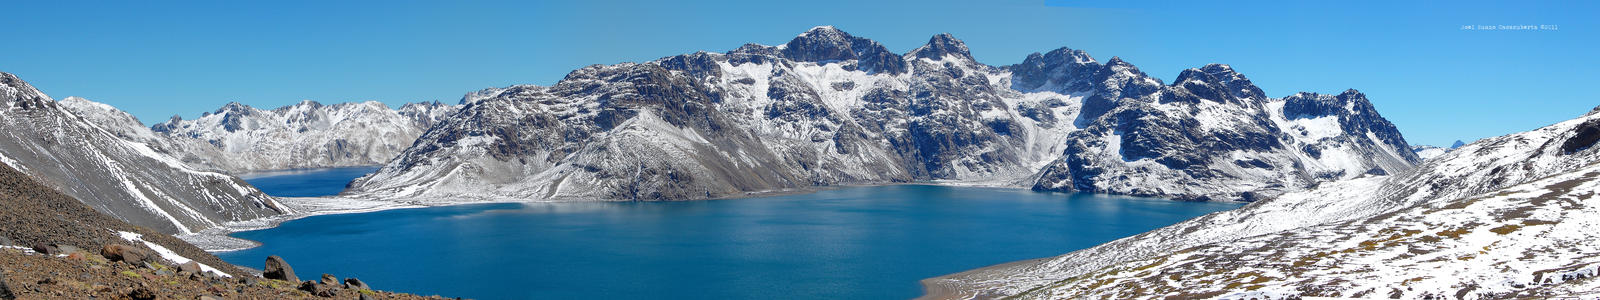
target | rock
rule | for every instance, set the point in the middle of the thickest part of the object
(247, 280)
(5, 241)
(125, 253)
(208, 297)
(355, 284)
(67, 249)
(366, 297)
(142, 293)
(276, 268)
(316, 288)
(191, 267)
(329, 279)
(5, 291)
(47, 249)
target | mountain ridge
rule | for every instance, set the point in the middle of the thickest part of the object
(827, 107)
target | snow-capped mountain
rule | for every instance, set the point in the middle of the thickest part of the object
(110, 169)
(831, 108)
(303, 135)
(1426, 152)
(1502, 217)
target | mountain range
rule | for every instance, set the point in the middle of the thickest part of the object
(830, 108)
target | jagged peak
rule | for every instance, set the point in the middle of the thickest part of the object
(233, 106)
(14, 90)
(941, 45)
(826, 44)
(822, 34)
(822, 29)
(1235, 83)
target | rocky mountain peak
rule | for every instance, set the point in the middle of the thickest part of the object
(1063, 69)
(826, 44)
(18, 93)
(942, 45)
(234, 107)
(1224, 79)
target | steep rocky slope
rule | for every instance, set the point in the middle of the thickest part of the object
(124, 178)
(304, 135)
(830, 108)
(1502, 217)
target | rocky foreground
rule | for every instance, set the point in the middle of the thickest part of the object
(74, 252)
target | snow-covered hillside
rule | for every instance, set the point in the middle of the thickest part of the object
(1426, 152)
(113, 169)
(1501, 217)
(304, 135)
(831, 108)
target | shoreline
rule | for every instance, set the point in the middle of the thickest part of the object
(948, 286)
(217, 239)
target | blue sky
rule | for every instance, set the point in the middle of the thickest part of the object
(1435, 81)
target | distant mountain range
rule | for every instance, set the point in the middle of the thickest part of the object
(830, 108)
(304, 135)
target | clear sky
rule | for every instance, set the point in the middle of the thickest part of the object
(1433, 79)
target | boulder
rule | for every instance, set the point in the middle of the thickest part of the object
(141, 293)
(317, 289)
(276, 268)
(329, 279)
(125, 253)
(366, 297)
(192, 267)
(46, 249)
(5, 291)
(355, 284)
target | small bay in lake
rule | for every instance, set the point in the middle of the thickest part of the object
(306, 183)
(872, 242)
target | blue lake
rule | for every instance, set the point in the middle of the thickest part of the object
(306, 183)
(846, 243)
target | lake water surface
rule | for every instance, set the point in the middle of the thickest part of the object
(847, 243)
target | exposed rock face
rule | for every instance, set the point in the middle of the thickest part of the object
(124, 178)
(276, 268)
(240, 138)
(1499, 218)
(830, 108)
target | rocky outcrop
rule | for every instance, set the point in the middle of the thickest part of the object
(278, 269)
(121, 177)
(831, 108)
